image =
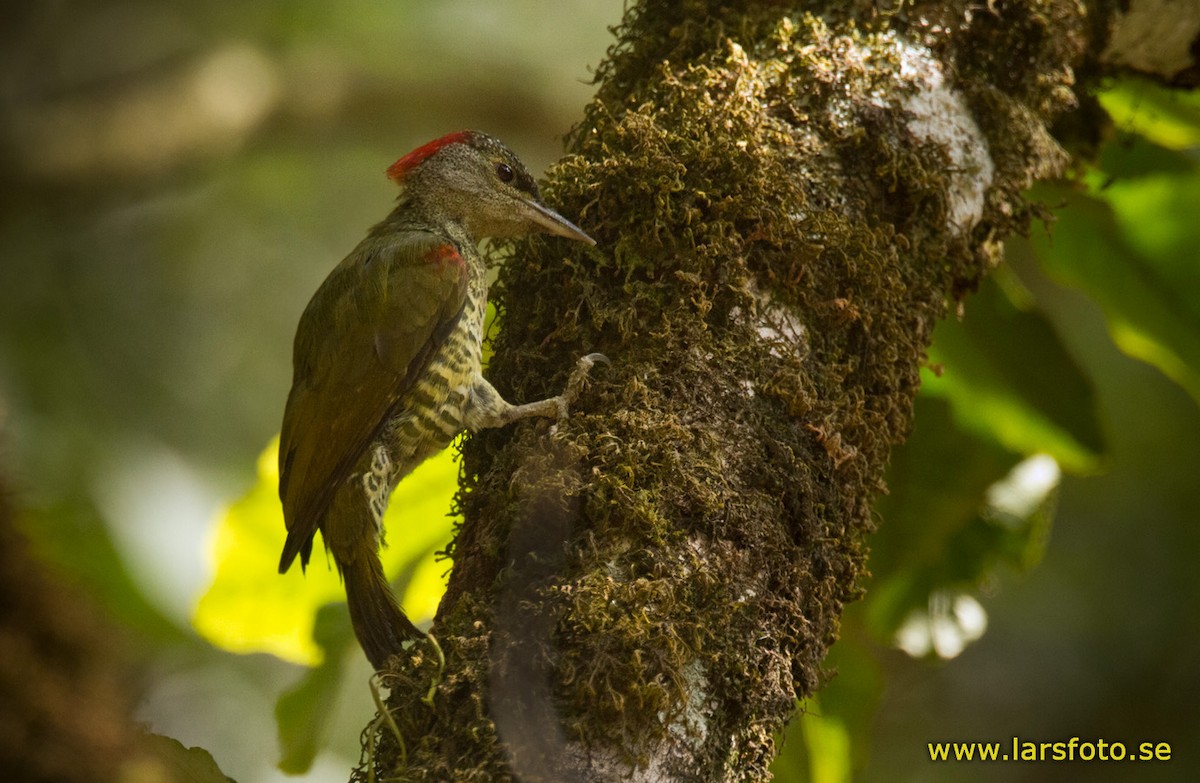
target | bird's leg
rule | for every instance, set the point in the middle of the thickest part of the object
(489, 409)
(575, 382)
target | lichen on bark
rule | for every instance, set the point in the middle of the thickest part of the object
(785, 203)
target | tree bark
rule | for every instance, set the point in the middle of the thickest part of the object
(786, 198)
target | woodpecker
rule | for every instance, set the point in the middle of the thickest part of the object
(387, 363)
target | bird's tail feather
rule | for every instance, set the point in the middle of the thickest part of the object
(379, 623)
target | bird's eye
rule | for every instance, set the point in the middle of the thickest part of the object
(504, 172)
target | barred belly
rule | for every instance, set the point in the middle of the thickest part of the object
(431, 414)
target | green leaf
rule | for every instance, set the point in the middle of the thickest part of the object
(936, 484)
(302, 713)
(791, 764)
(1133, 249)
(827, 739)
(828, 743)
(251, 608)
(1132, 156)
(175, 763)
(852, 696)
(1010, 379)
(71, 538)
(959, 506)
(1167, 117)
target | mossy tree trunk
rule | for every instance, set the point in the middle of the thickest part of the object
(786, 198)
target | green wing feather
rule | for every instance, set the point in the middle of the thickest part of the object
(363, 340)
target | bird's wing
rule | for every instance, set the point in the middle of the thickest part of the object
(365, 337)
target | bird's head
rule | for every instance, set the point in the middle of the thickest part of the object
(473, 178)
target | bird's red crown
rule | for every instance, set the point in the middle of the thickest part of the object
(400, 169)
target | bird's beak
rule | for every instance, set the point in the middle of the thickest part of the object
(553, 223)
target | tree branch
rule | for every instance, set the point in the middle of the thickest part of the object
(785, 204)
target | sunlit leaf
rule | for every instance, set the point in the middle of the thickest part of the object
(427, 582)
(1010, 379)
(251, 608)
(853, 694)
(1133, 248)
(828, 744)
(816, 747)
(1170, 118)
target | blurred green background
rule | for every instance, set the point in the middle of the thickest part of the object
(179, 177)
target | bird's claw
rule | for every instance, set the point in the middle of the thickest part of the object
(575, 383)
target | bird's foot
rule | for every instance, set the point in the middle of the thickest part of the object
(576, 381)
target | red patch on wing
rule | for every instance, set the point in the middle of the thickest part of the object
(444, 254)
(399, 170)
